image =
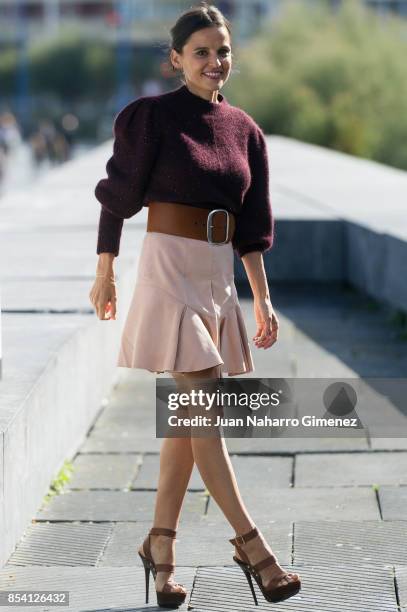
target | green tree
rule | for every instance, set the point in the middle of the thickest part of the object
(337, 79)
(72, 67)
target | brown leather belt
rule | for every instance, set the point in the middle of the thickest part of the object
(191, 222)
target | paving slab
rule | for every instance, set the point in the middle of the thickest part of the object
(350, 469)
(134, 407)
(112, 506)
(147, 476)
(315, 361)
(353, 542)
(134, 391)
(279, 364)
(334, 361)
(291, 446)
(62, 544)
(393, 503)
(303, 298)
(130, 407)
(309, 322)
(90, 588)
(253, 471)
(204, 542)
(319, 504)
(129, 380)
(257, 472)
(132, 417)
(121, 444)
(357, 328)
(107, 471)
(337, 588)
(115, 431)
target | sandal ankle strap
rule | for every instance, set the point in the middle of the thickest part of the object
(162, 531)
(270, 560)
(242, 539)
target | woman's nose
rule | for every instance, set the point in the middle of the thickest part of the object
(215, 63)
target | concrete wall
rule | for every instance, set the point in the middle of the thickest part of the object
(337, 218)
(43, 422)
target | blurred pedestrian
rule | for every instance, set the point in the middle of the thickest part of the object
(48, 143)
(10, 134)
(10, 139)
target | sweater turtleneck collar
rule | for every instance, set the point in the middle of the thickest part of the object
(201, 103)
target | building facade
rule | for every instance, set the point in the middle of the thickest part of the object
(138, 21)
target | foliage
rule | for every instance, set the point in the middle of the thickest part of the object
(336, 79)
(57, 485)
(68, 67)
(71, 67)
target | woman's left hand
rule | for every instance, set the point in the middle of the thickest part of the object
(267, 323)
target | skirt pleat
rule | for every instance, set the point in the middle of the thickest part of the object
(184, 314)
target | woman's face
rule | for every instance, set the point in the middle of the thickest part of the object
(207, 50)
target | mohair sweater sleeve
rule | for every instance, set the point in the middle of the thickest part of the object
(255, 222)
(135, 146)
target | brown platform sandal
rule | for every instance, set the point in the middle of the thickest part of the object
(167, 598)
(271, 594)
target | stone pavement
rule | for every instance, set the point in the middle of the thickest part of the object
(313, 498)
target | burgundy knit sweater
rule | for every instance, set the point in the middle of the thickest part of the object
(179, 147)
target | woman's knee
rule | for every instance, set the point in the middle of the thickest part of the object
(207, 443)
(205, 421)
(209, 373)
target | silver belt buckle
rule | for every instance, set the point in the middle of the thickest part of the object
(210, 226)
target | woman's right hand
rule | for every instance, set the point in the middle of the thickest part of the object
(103, 297)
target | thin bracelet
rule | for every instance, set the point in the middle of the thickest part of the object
(105, 276)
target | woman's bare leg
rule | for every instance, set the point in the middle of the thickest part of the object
(176, 464)
(214, 465)
(213, 461)
(177, 458)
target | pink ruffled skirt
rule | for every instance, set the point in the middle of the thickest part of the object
(184, 314)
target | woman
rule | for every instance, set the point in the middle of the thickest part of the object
(185, 154)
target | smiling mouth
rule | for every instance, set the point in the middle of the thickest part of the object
(213, 75)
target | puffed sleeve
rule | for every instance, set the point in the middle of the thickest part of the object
(136, 140)
(255, 223)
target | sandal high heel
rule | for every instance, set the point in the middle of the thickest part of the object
(270, 594)
(166, 598)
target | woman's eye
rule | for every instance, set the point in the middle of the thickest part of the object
(223, 52)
